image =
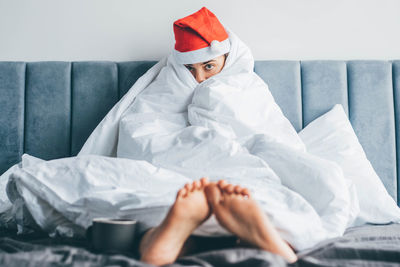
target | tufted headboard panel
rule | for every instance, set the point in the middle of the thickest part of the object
(48, 109)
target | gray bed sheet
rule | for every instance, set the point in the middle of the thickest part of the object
(371, 245)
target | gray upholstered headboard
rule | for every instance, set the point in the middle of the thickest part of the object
(48, 109)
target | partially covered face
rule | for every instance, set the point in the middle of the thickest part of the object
(204, 70)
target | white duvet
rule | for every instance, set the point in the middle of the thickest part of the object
(169, 130)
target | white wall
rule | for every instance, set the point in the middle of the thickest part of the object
(121, 30)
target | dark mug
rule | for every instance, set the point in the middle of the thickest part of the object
(112, 235)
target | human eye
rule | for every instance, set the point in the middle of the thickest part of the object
(209, 66)
(190, 68)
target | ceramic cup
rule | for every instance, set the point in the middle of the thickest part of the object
(113, 235)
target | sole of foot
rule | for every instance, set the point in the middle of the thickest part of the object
(162, 245)
(240, 214)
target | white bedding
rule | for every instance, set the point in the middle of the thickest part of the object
(171, 130)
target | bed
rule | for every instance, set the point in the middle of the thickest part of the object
(48, 109)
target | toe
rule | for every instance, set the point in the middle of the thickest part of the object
(181, 193)
(188, 187)
(229, 189)
(245, 192)
(222, 184)
(213, 194)
(196, 185)
(237, 189)
(204, 181)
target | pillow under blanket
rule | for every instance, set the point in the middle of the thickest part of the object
(332, 137)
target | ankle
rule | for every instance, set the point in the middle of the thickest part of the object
(145, 242)
(280, 247)
(158, 260)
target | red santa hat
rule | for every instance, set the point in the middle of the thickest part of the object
(200, 37)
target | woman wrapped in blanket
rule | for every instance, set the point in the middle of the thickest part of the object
(233, 207)
(208, 114)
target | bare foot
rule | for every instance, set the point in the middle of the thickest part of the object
(236, 211)
(161, 245)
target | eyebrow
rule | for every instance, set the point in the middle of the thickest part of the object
(190, 65)
(207, 62)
